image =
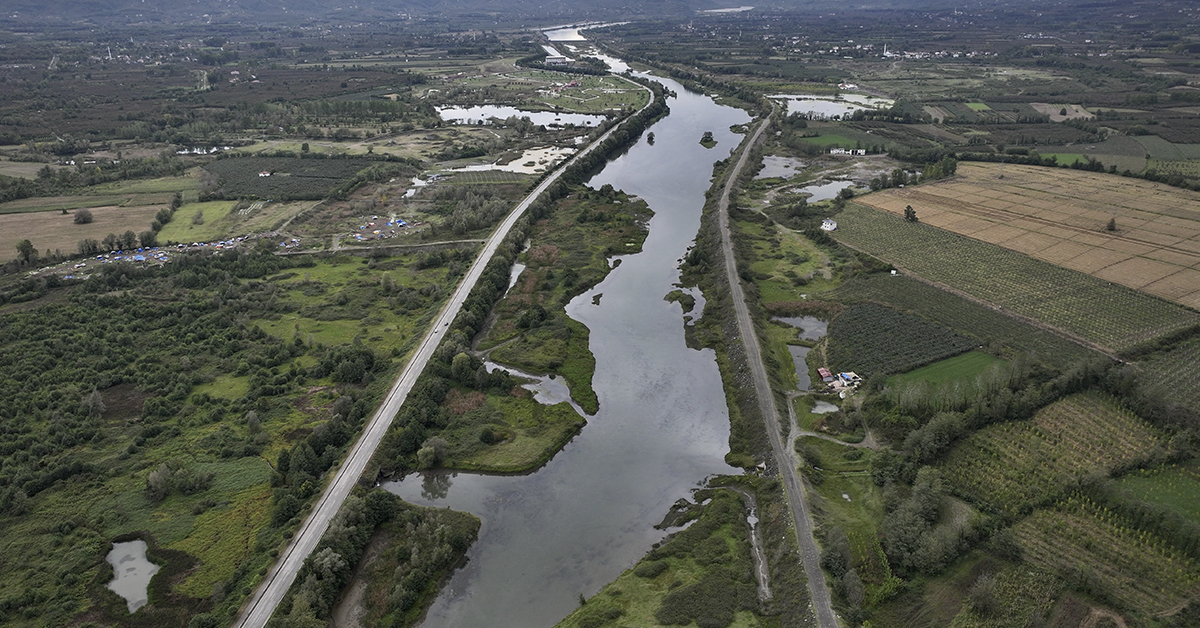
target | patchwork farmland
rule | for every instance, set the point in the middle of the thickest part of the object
(1061, 216)
(1089, 309)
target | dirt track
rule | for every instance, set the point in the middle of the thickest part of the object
(809, 553)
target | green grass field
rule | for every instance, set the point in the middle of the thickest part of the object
(957, 368)
(1176, 486)
(978, 106)
(1109, 315)
(528, 433)
(184, 228)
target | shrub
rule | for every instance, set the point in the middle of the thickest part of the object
(83, 216)
(651, 569)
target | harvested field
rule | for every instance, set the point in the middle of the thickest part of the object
(57, 231)
(1060, 216)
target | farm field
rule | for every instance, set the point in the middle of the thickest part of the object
(1175, 374)
(57, 231)
(1017, 465)
(959, 367)
(872, 339)
(1111, 316)
(1137, 569)
(1176, 487)
(1060, 216)
(290, 177)
(962, 315)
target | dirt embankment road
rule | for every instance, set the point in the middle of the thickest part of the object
(266, 598)
(809, 553)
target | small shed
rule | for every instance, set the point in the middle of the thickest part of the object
(829, 224)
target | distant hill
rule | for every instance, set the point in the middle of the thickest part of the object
(521, 12)
(300, 11)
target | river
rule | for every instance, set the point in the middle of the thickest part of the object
(662, 429)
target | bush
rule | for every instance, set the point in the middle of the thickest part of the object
(83, 216)
(651, 569)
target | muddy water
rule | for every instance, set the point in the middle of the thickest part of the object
(132, 572)
(662, 428)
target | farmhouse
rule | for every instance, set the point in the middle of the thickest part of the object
(556, 60)
(849, 379)
(826, 375)
(829, 224)
(848, 151)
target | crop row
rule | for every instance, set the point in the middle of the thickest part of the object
(1175, 375)
(1095, 548)
(961, 315)
(289, 177)
(871, 339)
(1019, 464)
(1108, 314)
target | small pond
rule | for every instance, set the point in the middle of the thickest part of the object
(811, 328)
(513, 275)
(132, 572)
(547, 390)
(800, 360)
(482, 114)
(823, 407)
(824, 191)
(783, 167)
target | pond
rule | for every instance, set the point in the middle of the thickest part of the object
(662, 428)
(483, 114)
(830, 106)
(800, 362)
(824, 191)
(811, 328)
(132, 572)
(783, 167)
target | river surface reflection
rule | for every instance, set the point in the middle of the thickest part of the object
(578, 522)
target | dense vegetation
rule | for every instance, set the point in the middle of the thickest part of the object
(180, 418)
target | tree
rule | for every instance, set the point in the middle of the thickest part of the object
(304, 147)
(83, 216)
(128, 240)
(158, 483)
(26, 251)
(852, 589)
(910, 214)
(1112, 224)
(92, 404)
(89, 246)
(148, 238)
(983, 595)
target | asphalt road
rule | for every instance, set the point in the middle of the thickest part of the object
(810, 555)
(271, 591)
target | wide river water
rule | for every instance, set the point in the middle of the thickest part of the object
(662, 429)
